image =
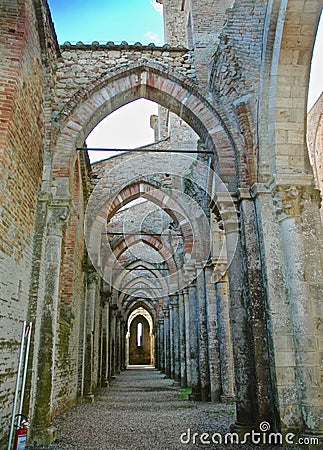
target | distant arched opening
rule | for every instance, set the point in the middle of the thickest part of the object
(140, 338)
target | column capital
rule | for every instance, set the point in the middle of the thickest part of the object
(220, 267)
(58, 214)
(185, 291)
(93, 277)
(174, 300)
(228, 212)
(290, 199)
(166, 311)
(190, 273)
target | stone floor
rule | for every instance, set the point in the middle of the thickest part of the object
(143, 410)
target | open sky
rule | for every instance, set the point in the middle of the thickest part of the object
(134, 21)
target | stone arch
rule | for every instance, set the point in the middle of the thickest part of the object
(129, 304)
(289, 45)
(150, 268)
(149, 81)
(194, 232)
(151, 241)
(143, 189)
(144, 287)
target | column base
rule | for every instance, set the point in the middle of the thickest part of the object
(177, 383)
(88, 398)
(227, 398)
(42, 437)
(205, 397)
(195, 395)
(242, 429)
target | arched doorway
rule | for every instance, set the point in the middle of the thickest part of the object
(140, 339)
(139, 342)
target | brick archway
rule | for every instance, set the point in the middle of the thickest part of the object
(289, 45)
(151, 81)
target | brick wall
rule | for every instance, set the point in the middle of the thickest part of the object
(21, 149)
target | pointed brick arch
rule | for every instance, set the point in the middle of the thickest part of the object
(151, 81)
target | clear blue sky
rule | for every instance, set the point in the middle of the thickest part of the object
(107, 20)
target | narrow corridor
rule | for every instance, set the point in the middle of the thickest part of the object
(143, 410)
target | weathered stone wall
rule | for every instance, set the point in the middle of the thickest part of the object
(21, 148)
(235, 74)
(315, 143)
(82, 67)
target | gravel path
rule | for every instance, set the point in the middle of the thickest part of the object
(143, 410)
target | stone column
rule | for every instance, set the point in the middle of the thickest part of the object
(161, 344)
(105, 342)
(157, 348)
(245, 381)
(194, 340)
(113, 326)
(182, 338)
(82, 334)
(258, 301)
(171, 340)
(118, 343)
(300, 235)
(203, 336)
(89, 373)
(166, 340)
(42, 432)
(176, 338)
(225, 341)
(213, 337)
(187, 336)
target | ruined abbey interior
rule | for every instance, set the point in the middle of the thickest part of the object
(199, 254)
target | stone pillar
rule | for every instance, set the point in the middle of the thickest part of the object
(157, 348)
(105, 343)
(152, 336)
(176, 338)
(118, 343)
(225, 341)
(171, 340)
(113, 326)
(161, 344)
(187, 336)
(82, 334)
(194, 340)
(122, 344)
(182, 338)
(245, 381)
(213, 337)
(166, 340)
(203, 336)
(89, 372)
(42, 431)
(259, 320)
(298, 217)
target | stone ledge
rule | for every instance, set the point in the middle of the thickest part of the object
(122, 46)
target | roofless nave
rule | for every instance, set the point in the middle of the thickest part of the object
(200, 254)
